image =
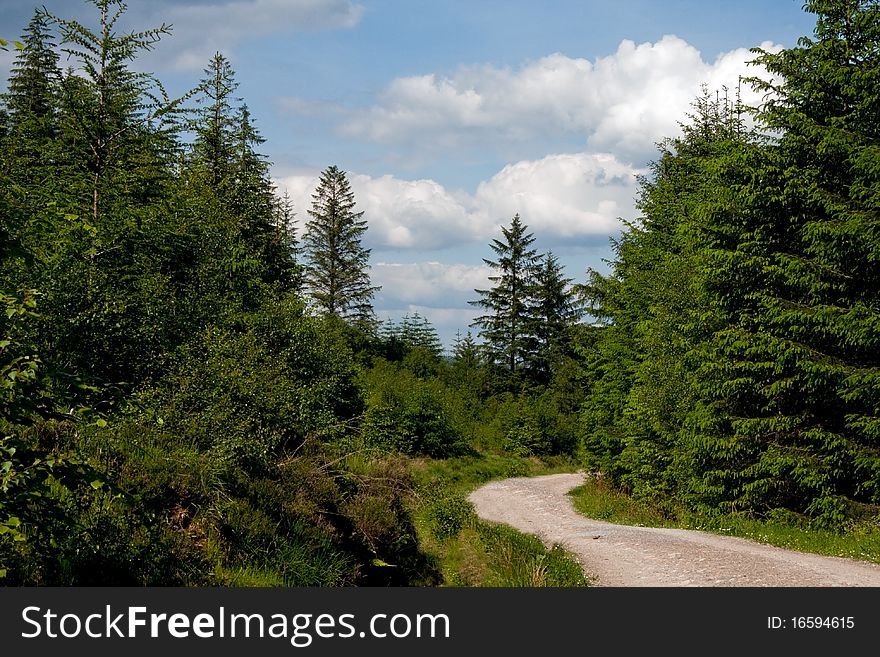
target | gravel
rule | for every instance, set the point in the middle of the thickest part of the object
(621, 555)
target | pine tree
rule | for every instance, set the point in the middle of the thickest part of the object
(215, 124)
(417, 332)
(337, 273)
(254, 201)
(286, 226)
(28, 177)
(112, 111)
(465, 351)
(555, 311)
(507, 326)
(797, 368)
(653, 312)
(32, 96)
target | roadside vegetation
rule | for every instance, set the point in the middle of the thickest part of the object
(472, 552)
(860, 540)
(195, 389)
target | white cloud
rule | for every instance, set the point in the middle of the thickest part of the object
(566, 197)
(413, 214)
(202, 29)
(428, 284)
(622, 103)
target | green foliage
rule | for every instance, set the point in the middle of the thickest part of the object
(337, 269)
(736, 365)
(531, 313)
(263, 385)
(448, 516)
(520, 560)
(780, 527)
(408, 414)
(471, 552)
(506, 326)
(215, 451)
(40, 479)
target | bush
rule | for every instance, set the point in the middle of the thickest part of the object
(447, 516)
(409, 415)
(535, 426)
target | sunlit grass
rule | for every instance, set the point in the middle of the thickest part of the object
(472, 552)
(595, 499)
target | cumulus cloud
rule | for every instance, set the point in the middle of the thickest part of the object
(622, 103)
(414, 214)
(200, 29)
(565, 197)
(428, 284)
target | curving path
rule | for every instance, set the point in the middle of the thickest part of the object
(620, 555)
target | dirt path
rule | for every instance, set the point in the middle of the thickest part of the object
(619, 555)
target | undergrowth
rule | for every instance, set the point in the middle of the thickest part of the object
(472, 552)
(860, 540)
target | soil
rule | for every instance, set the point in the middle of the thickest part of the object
(621, 555)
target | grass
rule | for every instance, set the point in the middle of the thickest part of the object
(472, 552)
(596, 499)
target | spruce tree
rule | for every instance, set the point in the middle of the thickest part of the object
(29, 153)
(337, 272)
(466, 354)
(653, 313)
(111, 111)
(417, 332)
(215, 123)
(797, 368)
(508, 325)
(555, 311)
(32, 96)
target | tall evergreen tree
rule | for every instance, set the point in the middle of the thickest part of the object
(465, 351)
(285, 222)
(739, 369)
(507, 327)
(337, 275)
(112, 111)
(795, 372)
(31, 98)
(417, 331)
(216, 124)
(653, 312)
(555, 311)
(28, 160)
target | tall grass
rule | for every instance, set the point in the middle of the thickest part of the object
(472, 552)
(596, 499)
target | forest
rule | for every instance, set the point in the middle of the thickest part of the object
(196, 391)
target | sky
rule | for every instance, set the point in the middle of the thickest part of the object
(449, 117)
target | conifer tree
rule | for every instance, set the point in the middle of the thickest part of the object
(285, 223)
(652, 311)
(796, 370)
(417, 331)
(29, 154)
(215, 124)
(554, 311)
(111, 111)
(507, 327)
(32, 96)
(337, 275)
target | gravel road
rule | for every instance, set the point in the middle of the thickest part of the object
(620, 555)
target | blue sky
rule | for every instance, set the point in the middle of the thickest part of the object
(451, 116)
